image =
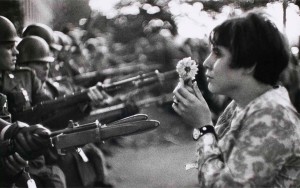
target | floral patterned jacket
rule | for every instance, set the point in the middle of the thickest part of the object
(258, 146)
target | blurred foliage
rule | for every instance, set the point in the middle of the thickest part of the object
(12, 9)
(127, 27)
(243, 4)
(216, 5)
(297, 2)
(69, 12)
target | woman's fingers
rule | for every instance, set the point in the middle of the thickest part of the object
(198, 92)
(184, 96)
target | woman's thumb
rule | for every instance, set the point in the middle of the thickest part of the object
(197, 91)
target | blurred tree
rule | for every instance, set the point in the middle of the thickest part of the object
(243, 4)
(95, 25)
(216, 5)
(297, 2)
(70, 11)
(133, 24)
(12, 9)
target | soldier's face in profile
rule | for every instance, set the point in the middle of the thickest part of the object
(41, 69)
(8, 55)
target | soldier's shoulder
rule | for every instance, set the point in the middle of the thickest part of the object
(23, 70)
(24, 73)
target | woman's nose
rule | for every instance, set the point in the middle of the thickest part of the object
(208, 62)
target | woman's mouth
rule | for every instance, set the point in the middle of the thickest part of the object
(208, 78)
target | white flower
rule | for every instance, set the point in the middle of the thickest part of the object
(187, 68)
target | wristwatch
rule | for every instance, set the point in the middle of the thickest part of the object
(198, 132)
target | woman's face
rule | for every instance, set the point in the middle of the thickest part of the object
(220, 77)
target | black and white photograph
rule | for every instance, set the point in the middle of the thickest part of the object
(149, 93)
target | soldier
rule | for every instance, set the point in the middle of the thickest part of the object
(64, 57)
(34, 53)
(74, 65)
(23, 89)
(45, 32)
(18, 138)
(73, 164)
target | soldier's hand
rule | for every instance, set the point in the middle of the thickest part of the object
(95, 94)
(101, 98)
(32, 141)
(29, 141)
(14, 164)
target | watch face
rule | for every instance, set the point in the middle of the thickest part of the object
(196, 134)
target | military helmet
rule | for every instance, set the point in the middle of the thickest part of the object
(8, 32)
(33, 48)
(64, 40)
(43, 31)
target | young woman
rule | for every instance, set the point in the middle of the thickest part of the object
(256, 141)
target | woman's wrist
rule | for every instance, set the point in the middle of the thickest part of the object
(202, 124)
(207, 129)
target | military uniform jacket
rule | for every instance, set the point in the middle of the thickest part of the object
(57, 89)
(22, 88)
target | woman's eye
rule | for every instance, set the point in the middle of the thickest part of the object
(217, 52)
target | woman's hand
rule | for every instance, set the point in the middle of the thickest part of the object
(191, 106)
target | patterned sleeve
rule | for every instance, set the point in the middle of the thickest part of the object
(256, 153)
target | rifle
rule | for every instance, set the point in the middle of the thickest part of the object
(141, 80)
(76, 135)
(46, 110)
(91, 78)
(110, 113)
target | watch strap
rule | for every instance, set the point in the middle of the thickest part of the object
(207, 129)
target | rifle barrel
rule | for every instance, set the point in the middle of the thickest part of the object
(141, 80)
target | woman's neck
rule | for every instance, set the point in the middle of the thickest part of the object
(249, 92)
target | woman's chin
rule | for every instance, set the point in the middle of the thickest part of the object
(211, 88)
